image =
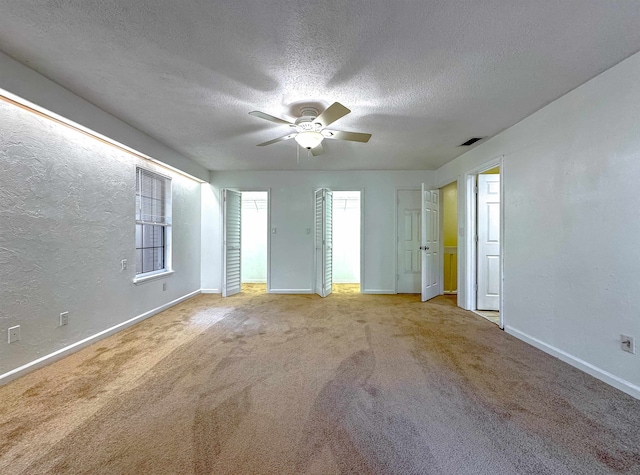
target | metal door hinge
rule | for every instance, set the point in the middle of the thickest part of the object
(475, 287)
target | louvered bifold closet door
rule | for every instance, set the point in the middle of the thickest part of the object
(328, 242)
(232, 240)
(319, 220)
(324, 241)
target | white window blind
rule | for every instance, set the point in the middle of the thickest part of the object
(153, 221)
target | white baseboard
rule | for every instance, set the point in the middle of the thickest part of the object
(450, 292)
(582, 365)
(61, 353)
(378, 291)
(254, 281)
(210, 291)
(290, 291)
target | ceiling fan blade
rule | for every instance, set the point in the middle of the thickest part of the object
(332, 113)
(279, 139)
(317, 150)
(352, 136)
(270, 118)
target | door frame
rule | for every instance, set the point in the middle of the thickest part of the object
(315, 263)
(241, 190)
(469, 277)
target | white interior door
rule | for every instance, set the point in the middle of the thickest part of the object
(324, 242)
(408, 252)
(232, 219)
(430, 247)
(488, 242)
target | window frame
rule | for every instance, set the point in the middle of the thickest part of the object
(166, 225)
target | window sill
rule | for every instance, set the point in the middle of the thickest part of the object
(143, 279)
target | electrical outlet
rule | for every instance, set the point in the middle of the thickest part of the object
(308, 230)
(14, 334)
(164, 286)
(628, 344)
(64, 318)
(123, 264)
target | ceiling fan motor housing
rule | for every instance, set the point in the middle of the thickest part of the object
(307, 116)
(308, 113)
(305, 124)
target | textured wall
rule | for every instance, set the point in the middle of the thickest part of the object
(571, 227)
(42, 92)
(66, 221)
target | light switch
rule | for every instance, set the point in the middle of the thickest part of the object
(14, 334)
(273, 230)
(308, 230)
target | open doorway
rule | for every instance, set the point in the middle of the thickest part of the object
(338, 241)
(488, 237)
(254, 235)
(418, 242)
(245, 247)
(408, 239)
(449, 202)
(346, 241)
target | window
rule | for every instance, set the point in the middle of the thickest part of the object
(153, 223)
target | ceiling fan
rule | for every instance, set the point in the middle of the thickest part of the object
(311, 128)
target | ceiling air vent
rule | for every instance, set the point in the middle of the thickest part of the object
(471, 141)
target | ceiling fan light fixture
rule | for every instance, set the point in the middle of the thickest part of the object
(309, 139)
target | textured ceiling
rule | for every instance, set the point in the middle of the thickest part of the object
(421, 76)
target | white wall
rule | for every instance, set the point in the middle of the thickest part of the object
(571, 177)
(67, 210)
(211, 254)
(292, 208)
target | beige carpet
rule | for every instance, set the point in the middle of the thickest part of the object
(291, 384)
